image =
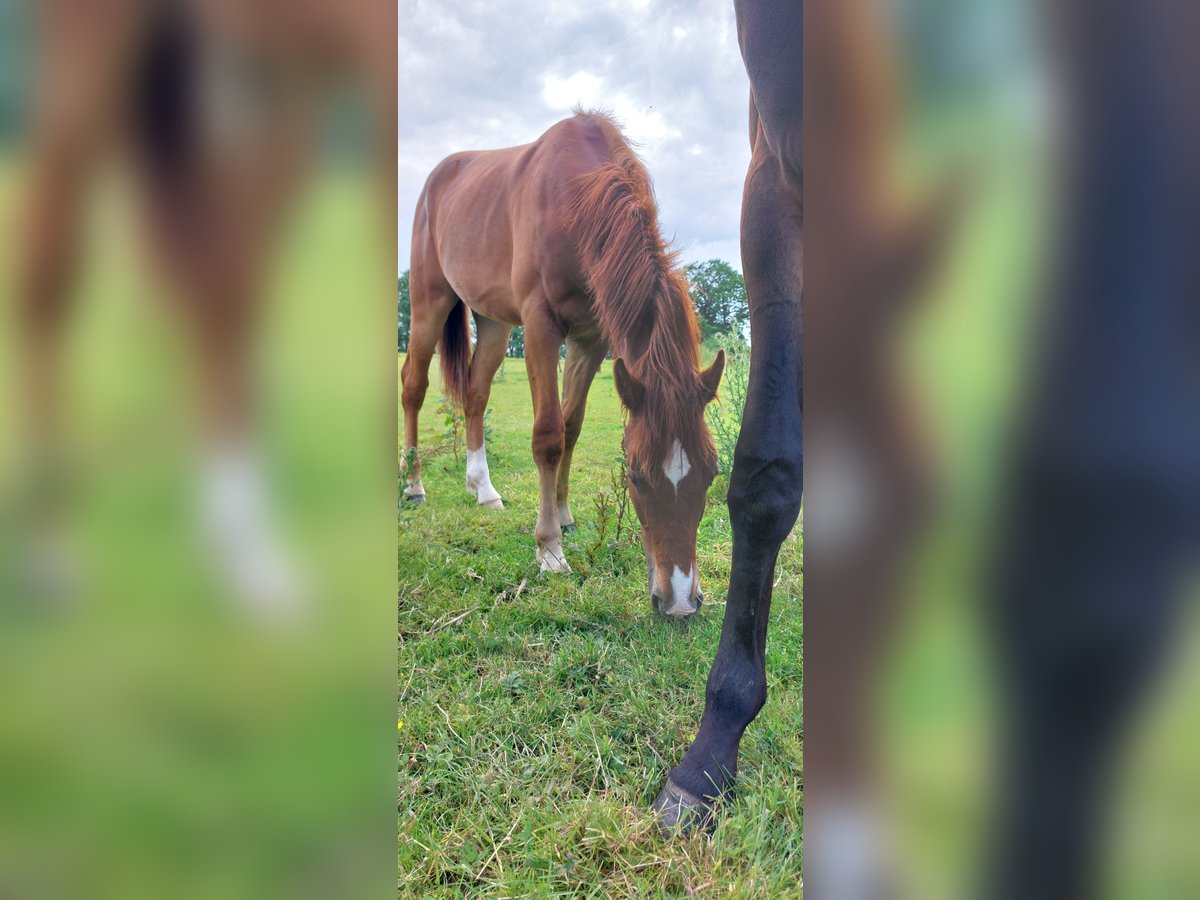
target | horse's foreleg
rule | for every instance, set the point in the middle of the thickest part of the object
(542, 340)
(764, 495)
(764, 502)
(491, 344)
(582, 363)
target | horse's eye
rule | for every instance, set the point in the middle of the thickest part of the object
(636, 481)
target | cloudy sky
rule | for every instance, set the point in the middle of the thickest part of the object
(478, 74)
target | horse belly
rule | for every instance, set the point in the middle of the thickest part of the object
(476, 258)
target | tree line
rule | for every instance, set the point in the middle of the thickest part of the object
(717, 292)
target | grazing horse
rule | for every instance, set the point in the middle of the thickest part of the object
(214, 105)
(766, 485)
(561, 236)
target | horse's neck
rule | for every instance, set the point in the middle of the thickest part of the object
(633, 345)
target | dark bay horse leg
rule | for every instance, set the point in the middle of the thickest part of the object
(1099, 539)
(491, 343)
(764, 492)
(542, 340)
(582, 363)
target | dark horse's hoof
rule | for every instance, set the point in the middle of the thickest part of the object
(414, 499)
(682, 812)
(567, 529)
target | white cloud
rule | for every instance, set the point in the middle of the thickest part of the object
(580, 89)
(477, 75)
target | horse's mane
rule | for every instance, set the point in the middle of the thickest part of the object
(641, 299)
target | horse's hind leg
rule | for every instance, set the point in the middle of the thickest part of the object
(47, 271)
(491, 343)
(430, 306)
(211, 219)
(582, 363)
(80, 51)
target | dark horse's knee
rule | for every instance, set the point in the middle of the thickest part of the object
(764, 496)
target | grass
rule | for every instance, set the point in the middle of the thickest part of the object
(539, 715)
(156, 742)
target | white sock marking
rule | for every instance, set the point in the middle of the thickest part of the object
(479, 479)
(236, 516)
(413, 486)
(677, 465)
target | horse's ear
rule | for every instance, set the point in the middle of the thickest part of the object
(629, 389)
(711, 377)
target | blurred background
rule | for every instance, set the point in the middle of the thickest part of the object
(197, 494)
(1002, 663)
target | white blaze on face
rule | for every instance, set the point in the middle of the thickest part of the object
(677, 465)
(681, 591)
(479, 479)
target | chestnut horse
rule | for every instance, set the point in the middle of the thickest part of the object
(767, 481)
(561, 236)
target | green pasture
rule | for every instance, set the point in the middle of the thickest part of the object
(538, 716)
(156, 741)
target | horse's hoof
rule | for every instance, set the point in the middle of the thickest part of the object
(492, 504)
(681, 812)
(568, 528)
(414, 499)
(554, 563)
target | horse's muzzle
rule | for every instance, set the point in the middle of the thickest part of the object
(676, 608)
(677, 600)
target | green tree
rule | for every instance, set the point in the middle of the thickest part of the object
(719, 298)
(516, 343)
(403, 313)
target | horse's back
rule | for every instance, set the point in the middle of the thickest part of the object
(494, 222)
(541, 170)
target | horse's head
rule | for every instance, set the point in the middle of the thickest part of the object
(671, 463)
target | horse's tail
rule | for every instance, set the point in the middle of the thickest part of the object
(455, 350)
(165, 96)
